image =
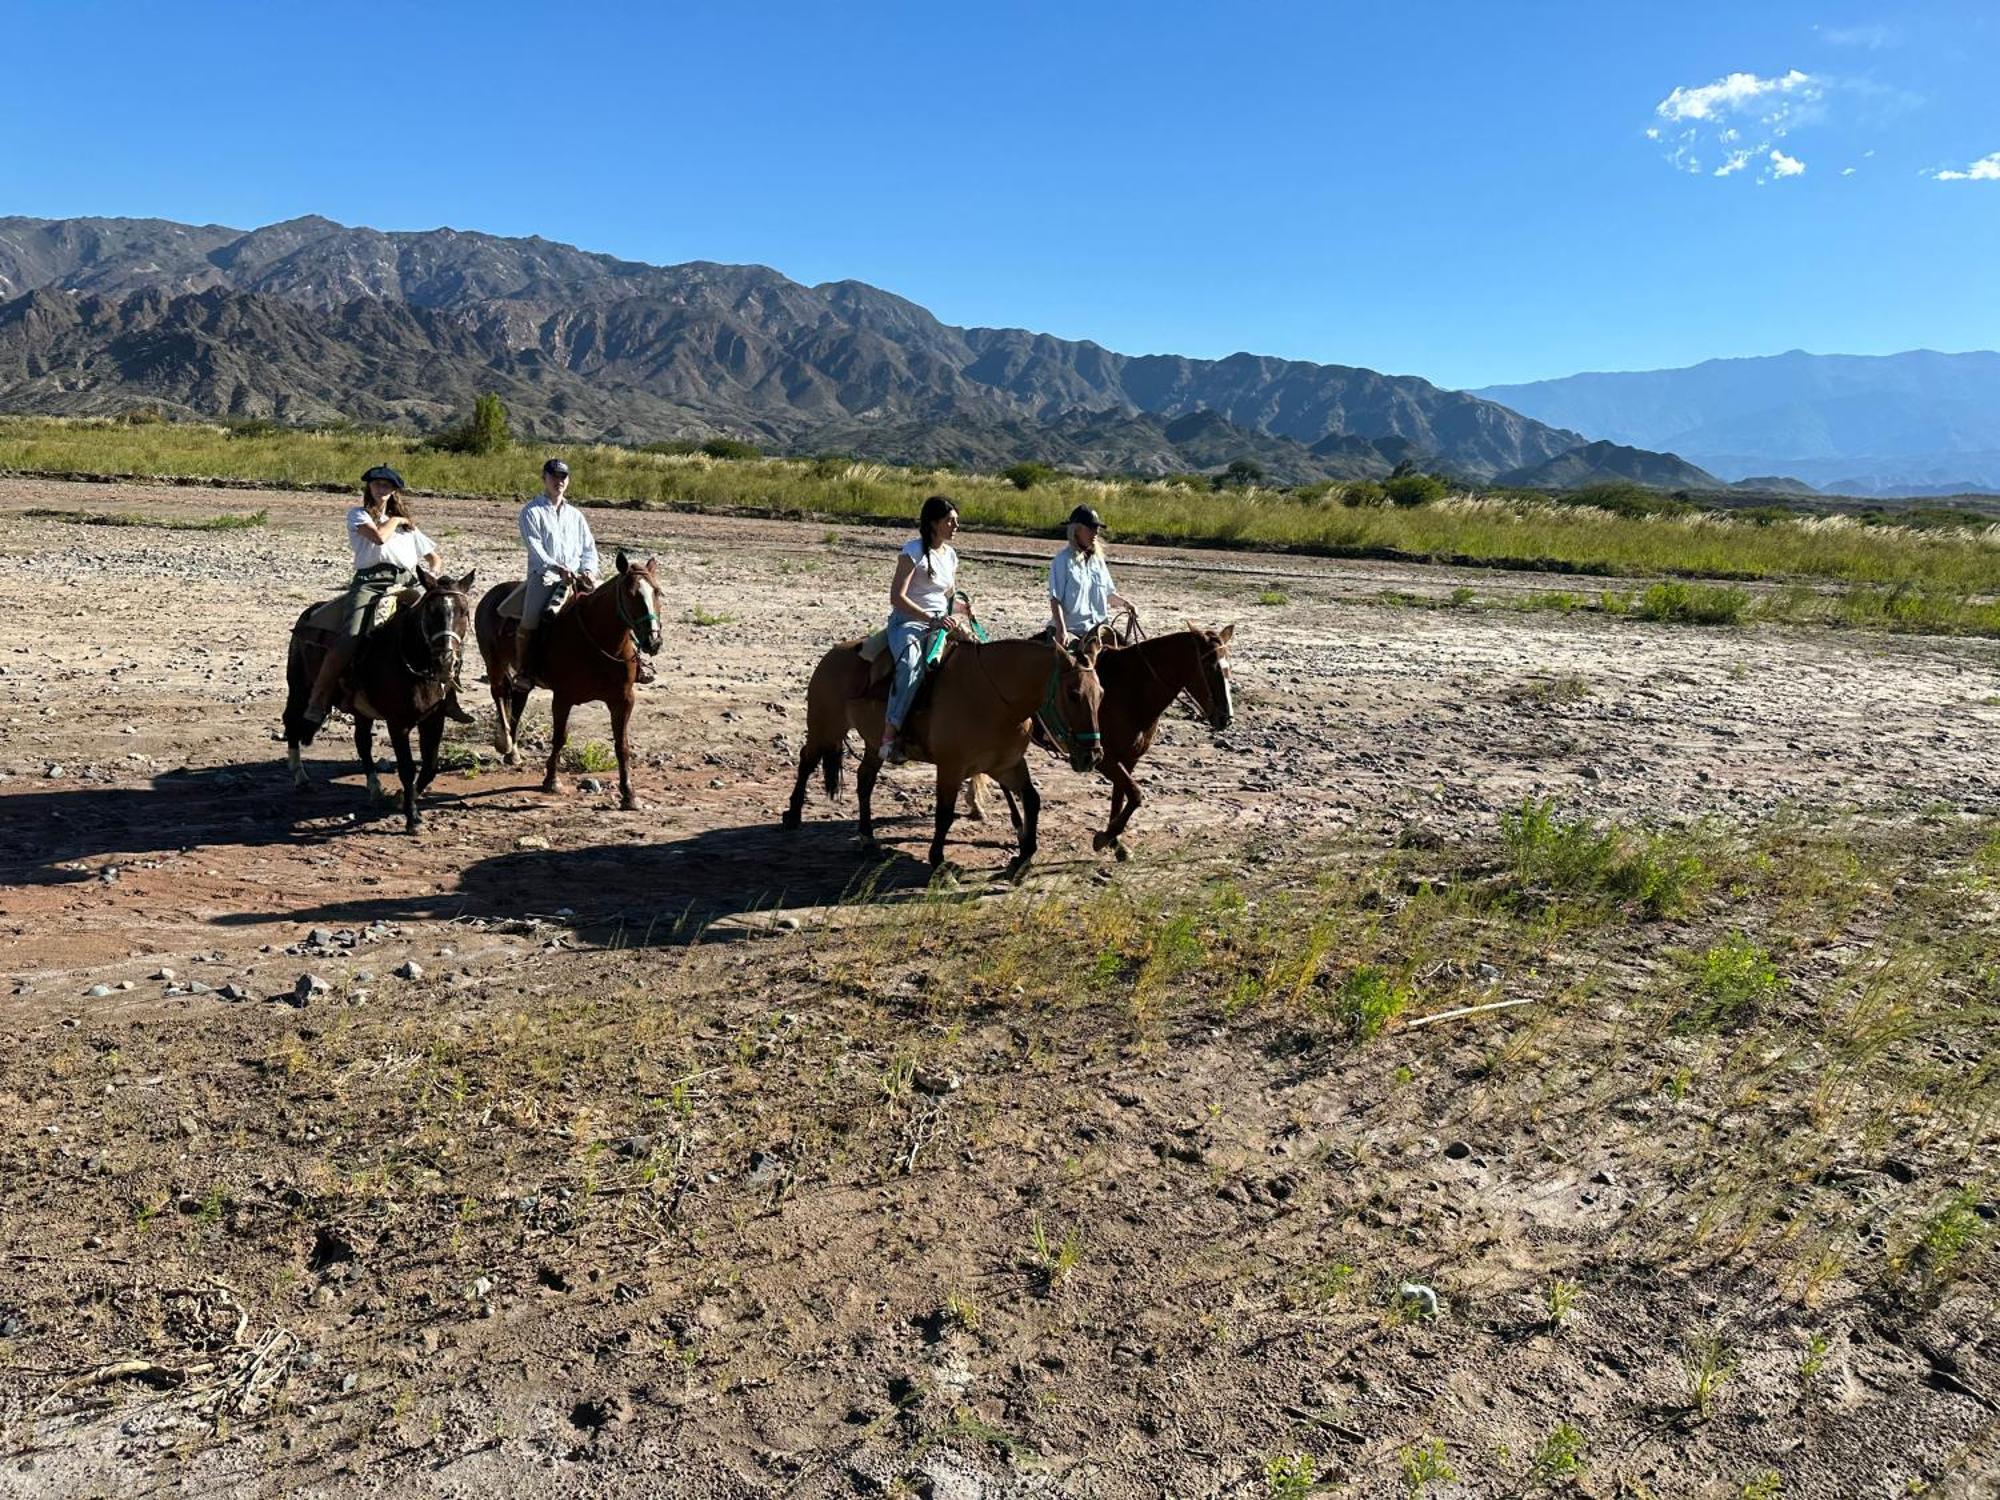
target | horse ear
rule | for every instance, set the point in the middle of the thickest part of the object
(624, 562)
(652, 562)
(1227, 631)
(465, 583)
(426, 577)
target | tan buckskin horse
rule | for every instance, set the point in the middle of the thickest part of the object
(401, 673)
(1140, 681)
(589, 653)
(972, 718)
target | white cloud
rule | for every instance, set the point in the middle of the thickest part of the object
(1874, 38)
(1739, 118)
(1847, 171)
(1986, 169)
(1732, 95)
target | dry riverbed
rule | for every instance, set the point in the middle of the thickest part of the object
(565, 1150)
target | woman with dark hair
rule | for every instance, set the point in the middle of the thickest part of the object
(388, 550)
(919, 602)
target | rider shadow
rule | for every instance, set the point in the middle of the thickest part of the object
(64, 823)
(652, 894)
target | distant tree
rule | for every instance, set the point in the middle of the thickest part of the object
(675, 447)
(1187, 481)
(489, 432)
(1025, 476)
(731, 448)
(1361, 492)
(1241, 474)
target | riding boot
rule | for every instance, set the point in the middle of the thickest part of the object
(453, 710)
(523, 644)
(325, 687)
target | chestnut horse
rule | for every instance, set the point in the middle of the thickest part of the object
(402, 672)
(589, 653)
(972, 719)
(1140, 681)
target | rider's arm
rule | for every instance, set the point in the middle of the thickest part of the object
(1055, 614)
(899, 589)
(376, 531)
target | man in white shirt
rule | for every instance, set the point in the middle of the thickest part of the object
(561, 551)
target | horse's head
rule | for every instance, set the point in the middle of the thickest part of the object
(1077, 695)
(444, 615)
(639, 601)
(1211, 681)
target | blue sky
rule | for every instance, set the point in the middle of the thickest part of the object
(1464, 191)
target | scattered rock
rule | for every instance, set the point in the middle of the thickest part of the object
(306, 986)
(1418, 1299)
(97, 991)
(1457, 1151)
(164, 973)
(531, 841)
(233, 991)
(409, 968)
(590, 784)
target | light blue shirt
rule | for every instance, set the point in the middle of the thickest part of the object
(558, 537)
(1082, 589)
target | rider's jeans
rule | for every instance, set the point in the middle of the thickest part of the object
(906, 649)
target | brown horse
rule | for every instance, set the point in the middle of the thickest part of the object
(402, 672)
(972, 719)
(1140, 681)
(588, 654)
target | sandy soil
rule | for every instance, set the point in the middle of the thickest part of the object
(147, 825)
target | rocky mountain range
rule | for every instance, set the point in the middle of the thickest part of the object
(1912, 424)
(309, 320)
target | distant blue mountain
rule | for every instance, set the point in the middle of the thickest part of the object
(1920, 423)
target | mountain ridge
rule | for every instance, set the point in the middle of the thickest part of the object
(589, 344)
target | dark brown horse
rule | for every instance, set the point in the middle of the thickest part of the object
(402, 672)
(589, 653)
(972, 719)
(1140, 681)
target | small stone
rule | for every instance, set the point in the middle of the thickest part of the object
(306, 986)
(481, 1287)
(590, 784)
(1604, 1178)
(348, 1383)
(319, 937)
(233, 991)
(97, 991)
(196, 987)
(1418, 1298)
(165, 973)
(531, 841)
(788, 923)
(409, 968)
(124, 984)
(53, 771)
(1457, 1151)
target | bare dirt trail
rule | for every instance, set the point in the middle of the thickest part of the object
(802, 1339)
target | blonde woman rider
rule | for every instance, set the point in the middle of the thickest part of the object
(919, 602)
(1081, 594)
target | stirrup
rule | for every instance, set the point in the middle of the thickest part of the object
(891, 752)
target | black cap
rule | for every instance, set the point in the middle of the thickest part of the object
(383, 471)
(556, 466)
(1083, 515)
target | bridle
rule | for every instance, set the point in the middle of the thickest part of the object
(1055, 725)
(451, 656)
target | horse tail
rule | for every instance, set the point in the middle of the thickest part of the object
(299, 674)
(829, 769)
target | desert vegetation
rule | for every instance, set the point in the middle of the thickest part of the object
(1610, 534)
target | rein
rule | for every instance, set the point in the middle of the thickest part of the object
(1054, 725)
(440, 666)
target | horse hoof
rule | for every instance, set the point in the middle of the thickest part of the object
(1016, 872)
(549, 785)
(791, 819)
(1101, 841)
(1121, 852)
(628, 803)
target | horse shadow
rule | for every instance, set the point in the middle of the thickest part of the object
(59, 824)
(717, 884)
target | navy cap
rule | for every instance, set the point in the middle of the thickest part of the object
(383, 471)
(1083, 515)
(556, 466)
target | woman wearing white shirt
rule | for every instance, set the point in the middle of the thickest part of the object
(919, 602)
(388, 549)
(1081, 594)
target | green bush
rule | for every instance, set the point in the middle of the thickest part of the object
(1241, 474)
(483, 433)
(672, 447)
(1730, 980)
(731, 448)
(1693, 603)
(1025, 476)
(1362, 492)
(1414, 489)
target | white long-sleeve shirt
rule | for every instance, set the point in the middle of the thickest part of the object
(557, 537)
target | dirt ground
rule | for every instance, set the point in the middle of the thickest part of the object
(184, 1147)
